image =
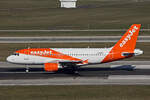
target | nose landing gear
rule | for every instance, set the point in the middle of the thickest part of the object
(27, 68)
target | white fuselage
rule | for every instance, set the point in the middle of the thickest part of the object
(94, 55)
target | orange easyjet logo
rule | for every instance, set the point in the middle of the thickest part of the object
(47, 53)
(128, 37)
(41, 52)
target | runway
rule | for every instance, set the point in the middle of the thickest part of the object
(35, 73)
(67, 39)
(120, 72)
(144, 80)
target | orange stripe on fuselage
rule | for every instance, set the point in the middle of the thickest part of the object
(47, 52)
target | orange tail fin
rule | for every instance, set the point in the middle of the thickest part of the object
(126, 44)
(128, 40)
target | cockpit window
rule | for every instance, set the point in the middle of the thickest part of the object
(16, 54)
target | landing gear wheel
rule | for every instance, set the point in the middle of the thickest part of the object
(71, 68)
(27, 69)
(75, 71)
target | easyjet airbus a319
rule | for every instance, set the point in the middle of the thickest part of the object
(58, 58)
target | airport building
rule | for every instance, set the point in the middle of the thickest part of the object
(68, 3)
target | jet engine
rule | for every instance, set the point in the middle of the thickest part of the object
(51, 66)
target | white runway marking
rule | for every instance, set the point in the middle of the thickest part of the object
(112, 80)
(75, 39)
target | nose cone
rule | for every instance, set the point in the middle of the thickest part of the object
(10, 59)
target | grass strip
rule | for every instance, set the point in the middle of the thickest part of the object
(90, 14)
(79, 92)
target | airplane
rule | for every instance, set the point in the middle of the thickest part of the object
(54, 59)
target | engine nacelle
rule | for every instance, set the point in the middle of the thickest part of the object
(51, 66)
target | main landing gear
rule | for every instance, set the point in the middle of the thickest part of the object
(73, 69)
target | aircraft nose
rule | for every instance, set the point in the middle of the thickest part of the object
(9, 59)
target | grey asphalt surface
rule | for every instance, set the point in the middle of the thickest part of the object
(120, 72)
(112, 80)
(67, 39)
